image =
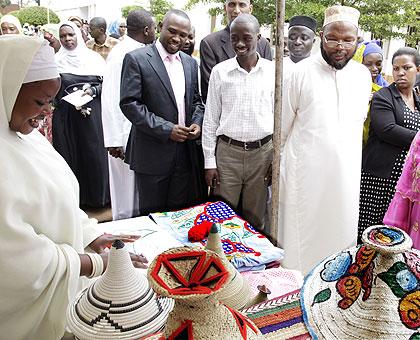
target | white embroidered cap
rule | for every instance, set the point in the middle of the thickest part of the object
(341, 13)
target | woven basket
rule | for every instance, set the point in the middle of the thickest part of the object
(192, 277)
(236, 293)
(119, 305)
(366, 292)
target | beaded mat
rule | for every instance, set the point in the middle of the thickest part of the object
(280, 318)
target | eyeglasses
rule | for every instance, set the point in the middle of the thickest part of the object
(335, 43)
(123, 26)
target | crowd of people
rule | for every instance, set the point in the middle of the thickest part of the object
(159, 129)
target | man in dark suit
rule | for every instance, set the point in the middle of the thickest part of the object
(216, 47)
(159, 95)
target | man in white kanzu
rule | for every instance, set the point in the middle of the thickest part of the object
(325, 104)
(124, 196)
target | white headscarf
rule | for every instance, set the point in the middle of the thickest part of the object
(11, 19)
(43, 65)
(80, 61)
(17, 52)
(42, 228)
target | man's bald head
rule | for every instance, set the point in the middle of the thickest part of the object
(176, 12)
(246, 19)
(141, 26)
(138, 19)
(98, 22)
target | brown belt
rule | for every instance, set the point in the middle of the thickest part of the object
(246, 145)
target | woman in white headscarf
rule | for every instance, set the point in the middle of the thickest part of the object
(77, 132)
(43, 232)
(9, 24)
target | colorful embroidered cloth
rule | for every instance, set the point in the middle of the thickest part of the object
(246, 248)
(280, 318)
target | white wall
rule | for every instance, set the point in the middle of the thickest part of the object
(111, 10)
(390, 47)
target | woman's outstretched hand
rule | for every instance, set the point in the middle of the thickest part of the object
(105, 241)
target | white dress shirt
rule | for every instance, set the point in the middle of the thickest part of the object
(175, 71)
(239, 105)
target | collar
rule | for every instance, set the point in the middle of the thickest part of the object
(163, 53)
(106, 43)
(128, 40)
(323, 62)
(234, 65)
(394, 91)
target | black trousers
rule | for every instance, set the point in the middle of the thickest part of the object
(172, 191)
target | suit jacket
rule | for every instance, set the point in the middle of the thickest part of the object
(148, 102)
(215, 48)
(387, 135)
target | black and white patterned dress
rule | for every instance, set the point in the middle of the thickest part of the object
(376, 193)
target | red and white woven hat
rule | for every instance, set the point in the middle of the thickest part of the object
(119, 305)
(192, 277)
(371, 291)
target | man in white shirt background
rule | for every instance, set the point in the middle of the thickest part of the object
(239, 121)
(124, 197)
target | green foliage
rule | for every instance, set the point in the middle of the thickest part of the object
(127, 9)
(384, 18)
(35, 15)
(159, 8)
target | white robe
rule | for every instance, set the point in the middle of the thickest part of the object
(124, 196)
(42, 228)
(323, 114)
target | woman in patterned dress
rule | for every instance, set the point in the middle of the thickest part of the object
(395, 120)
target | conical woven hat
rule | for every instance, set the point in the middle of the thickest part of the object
(119, 305)
(366, 292)
(192, 276)
(236, 293)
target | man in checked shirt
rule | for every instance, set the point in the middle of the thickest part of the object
(238, 124)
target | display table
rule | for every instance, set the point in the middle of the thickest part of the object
(153, 238)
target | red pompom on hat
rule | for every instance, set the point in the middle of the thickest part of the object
(199, 231)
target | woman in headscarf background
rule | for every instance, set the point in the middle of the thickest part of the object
(77, 132)
(118, 29)
(79, 23)
(43, 232)
(9, 24)
(395, 120)
(373, 59)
